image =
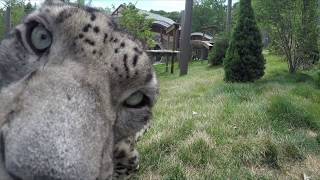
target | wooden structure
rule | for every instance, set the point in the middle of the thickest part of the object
(170, 38)
(201, 44)
(173, 31)
(162, 27)
(168, 54)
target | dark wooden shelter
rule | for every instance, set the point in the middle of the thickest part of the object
(201, 44)
(168, 37)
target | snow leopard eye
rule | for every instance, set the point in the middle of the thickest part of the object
(136, 100)
(39, 38)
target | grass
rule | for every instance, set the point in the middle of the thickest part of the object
(204, 128)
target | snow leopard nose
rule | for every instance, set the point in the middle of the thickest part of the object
(59, 132)
(63, 152)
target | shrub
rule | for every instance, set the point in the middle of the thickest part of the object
(244, 60)
(318, 80)
(218, 52)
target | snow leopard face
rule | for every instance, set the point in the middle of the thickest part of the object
(75, 92)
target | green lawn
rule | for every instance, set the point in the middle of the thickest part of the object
(204, 128)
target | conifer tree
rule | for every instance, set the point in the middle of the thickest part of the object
(244, 61)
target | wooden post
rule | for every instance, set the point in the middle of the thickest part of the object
(185, 41)
(204, 54)
(167, 58)
(177, 38)
(173, 49)
(180, 36)
(178, 45)
(228, 23)
(161, 36)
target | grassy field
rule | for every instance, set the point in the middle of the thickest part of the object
(204, 128)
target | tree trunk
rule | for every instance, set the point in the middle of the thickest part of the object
(228, 23)
(8, 20)
(293, 64)
(185, 39)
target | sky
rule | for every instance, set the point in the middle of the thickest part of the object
(166, 5)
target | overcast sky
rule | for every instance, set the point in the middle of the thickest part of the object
(166, 5)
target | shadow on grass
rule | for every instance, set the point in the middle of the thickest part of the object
(284, 114)
(283, 77)
(239, 92)
(166, 145)
(197, 154)
(210, 67)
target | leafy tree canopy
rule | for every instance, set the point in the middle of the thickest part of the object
(208, 13)
(19, 9)
(137, 24)
(292, 25)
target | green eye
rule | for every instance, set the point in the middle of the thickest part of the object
(136, 100)
(41, 38)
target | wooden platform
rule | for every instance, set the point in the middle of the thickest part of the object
(163, 52)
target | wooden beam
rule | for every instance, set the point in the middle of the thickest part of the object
(162, 51)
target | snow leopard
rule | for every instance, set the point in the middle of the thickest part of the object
(76, 92)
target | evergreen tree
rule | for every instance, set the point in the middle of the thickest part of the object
(309, 34)
(244, 60)
(218, 52)
(28, 8)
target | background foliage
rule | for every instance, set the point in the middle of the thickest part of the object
(19, 9)
(208, 13)
(293, 27)
(218, 52)
(137, 24)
